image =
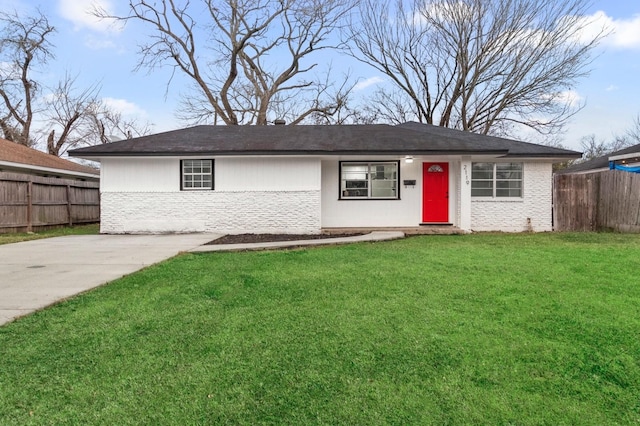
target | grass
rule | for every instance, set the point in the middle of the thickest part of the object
(57, 232)
(479, 329)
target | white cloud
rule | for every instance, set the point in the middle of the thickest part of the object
(9, 70)
(97, 43)
(50, 97)
(79, 12)
(570, 97)
(622, 33)
(125, 107)
(361, 85)
(612, 88)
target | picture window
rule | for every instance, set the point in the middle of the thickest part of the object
(369, 180)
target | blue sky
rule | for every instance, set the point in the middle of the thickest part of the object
(97, 52)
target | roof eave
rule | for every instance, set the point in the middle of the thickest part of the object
(288, 152)
(53, 170)
(560, 157)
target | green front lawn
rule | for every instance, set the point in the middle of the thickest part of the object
(57, 232)
(477, 329)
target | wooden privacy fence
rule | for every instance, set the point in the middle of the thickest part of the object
(30, 203)
(604, 201)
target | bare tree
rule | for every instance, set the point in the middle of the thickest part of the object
(594, 148)
(105, 125)
(66, 115)
(24, 44)
(65, 110)
(78, 117)
(486, 66)
(634, 131)
(245, 59)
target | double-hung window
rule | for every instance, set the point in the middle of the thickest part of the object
(369, 180)
(196, 174)
(498, 180)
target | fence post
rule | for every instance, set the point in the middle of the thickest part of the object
(29, 206)
(69, 204)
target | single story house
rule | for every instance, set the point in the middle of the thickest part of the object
(303, 179)
(622, 159)
(16, 158)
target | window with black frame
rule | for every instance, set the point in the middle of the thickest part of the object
(369, 180)
(196, 174)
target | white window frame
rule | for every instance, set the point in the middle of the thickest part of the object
(344, 186)
(494, 180)
(197, 177)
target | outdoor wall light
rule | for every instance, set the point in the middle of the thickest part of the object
(408, 159)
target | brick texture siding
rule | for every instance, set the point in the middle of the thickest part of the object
(211, 211)
(531, 213)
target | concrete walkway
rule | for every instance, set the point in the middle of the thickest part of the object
(373, 236)
(36, 274)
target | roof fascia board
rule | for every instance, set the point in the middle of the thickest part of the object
(554, 157)
(624, 156)
(283, 153)
(65, 172)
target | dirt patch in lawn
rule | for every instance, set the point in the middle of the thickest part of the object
(270, 238)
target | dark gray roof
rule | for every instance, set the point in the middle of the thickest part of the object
(516, 148)
(599, 162)
(374, 139)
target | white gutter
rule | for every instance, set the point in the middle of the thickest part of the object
(22, 166)
(624, 156)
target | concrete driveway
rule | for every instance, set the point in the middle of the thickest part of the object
(35, 274)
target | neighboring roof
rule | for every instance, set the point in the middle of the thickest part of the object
(599, 162)
(16, 156)
(372, 139)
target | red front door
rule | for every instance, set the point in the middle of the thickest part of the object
(435, 192)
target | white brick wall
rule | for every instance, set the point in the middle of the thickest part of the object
(511, 215)
(211, 211)
(278, 205)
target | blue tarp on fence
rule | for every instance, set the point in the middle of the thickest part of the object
(613, 166)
